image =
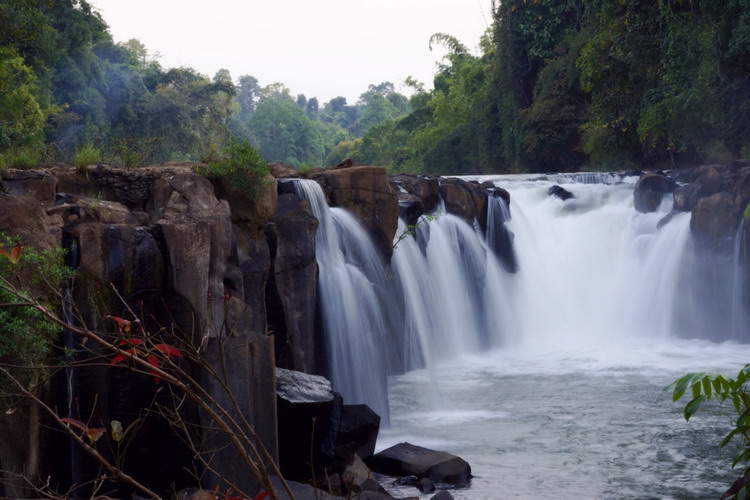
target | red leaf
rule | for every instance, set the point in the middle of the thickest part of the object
(261, 495)
(131, 341)
(168, 350)
(122, 324)
(94, 433)
(75, 423)
(154, 361)
(118, 359)
(14, 256)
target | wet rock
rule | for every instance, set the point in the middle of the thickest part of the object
(426, 485)
(650, 190)
(666, 219)
(407, 481)
(405, 459)
(427, 189)
(714, 221)
(463, 199)
(366, 192)
(442, 495)
(410, 208)
(297, 388)
(560, 192)
(686, 197)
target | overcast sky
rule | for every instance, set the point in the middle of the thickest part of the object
(321, 48)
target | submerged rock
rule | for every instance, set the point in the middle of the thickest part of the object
(650, 190)
(442, 495)
(560, 192)
(405, 459)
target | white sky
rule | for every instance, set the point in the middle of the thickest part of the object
(321, 48)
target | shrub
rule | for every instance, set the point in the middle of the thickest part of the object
(240, 167)
(87, 155)
(20, 158)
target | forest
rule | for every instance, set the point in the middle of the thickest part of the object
(557, 85)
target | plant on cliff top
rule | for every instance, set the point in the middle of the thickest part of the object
(240, 167)
(87, 155)
(704, 387)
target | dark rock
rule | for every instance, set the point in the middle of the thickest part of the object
(304, 406)
(300, 491)
(357, 430)
(407, 481)
(665, 220)
(560, 192)
(292, 288)
(410, 208)
(714, 221)
(283, 171)
(427, 189)
(426, 485)
(686, 197)
(373, 495)
(406, 459)
(442, 495)
(649, 191)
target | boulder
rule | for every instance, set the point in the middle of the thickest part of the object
(560, 192)
(464, 199)
(283, 171)
(356, 428)
(714, 221)
(291, 299)
(425, 485)
(366, 192)
(304, 403)
(405, 459)
(425, 188)
(300, 491)
(686, 197)
(650, 190)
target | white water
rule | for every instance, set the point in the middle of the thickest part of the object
(351, 273)
(550, 381)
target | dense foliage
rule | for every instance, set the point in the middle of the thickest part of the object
(565, 85)
(68, 92)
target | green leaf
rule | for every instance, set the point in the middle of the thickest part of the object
(693, 406)
(707, 386)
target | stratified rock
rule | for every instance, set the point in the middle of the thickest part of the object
(255, 207)
(366, 192)
(406, 459)
(292, 288)
(650, 190)
(297, 388)
(38, 184)
(560, 192)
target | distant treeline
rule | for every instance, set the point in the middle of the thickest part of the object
(573, 84)
(69, 93)
(558, 85)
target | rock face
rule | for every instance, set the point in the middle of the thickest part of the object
(650, 190)
(424, 188)
(188, 262)
(366, 192)
(406, 459)
(293, 285)
(464, 199)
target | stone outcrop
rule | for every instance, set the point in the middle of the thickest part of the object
(405, 459)
(293, 285)
(190, 262)
(365, 192)
(650, 191)
(560, 192)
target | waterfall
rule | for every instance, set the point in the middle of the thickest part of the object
(351, 284)
(498, 237)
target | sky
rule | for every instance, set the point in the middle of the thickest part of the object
(322, 48)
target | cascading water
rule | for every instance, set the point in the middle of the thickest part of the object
(351, 282)
(595, 321)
